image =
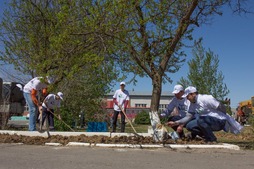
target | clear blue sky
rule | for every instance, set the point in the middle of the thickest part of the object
(231, 37)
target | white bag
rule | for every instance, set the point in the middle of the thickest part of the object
(160, 133)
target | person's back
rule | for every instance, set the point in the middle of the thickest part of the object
(207, 105)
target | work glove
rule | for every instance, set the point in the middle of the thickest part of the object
(162, 115)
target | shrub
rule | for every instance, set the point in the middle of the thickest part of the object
(142, 118)
(251, 120)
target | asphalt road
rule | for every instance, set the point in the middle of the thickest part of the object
(48, 157)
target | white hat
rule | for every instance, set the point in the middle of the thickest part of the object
(189, 90)
(60, 94)
(177, 89)
(19, 86)
(122, 83)
(50, 79)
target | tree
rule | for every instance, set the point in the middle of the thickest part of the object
(54, 38)
(204, 73)
(153, 34)
(139, 37)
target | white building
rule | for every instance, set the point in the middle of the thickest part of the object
(140, 101)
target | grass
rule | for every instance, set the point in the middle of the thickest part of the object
(245, 139)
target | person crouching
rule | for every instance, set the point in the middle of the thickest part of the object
(49, 105)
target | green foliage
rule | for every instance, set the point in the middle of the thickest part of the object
(142, 118)
(251, 121)
(67, 117)
(51, 38)
(204, 73)
(58, 38)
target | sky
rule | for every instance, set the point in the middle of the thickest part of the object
(231, 38)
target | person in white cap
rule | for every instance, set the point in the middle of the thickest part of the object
(121, 100)
(49, 106)
(212, 116)
(176, 109)
(31, 91)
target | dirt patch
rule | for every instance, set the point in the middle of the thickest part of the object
(245, 140)
(37, 140)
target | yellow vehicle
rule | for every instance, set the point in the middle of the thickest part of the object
(244, 110)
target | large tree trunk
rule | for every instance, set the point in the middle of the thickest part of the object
(156, 94)
(160, 133)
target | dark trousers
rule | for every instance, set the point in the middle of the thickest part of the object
(193, 127)
(208, 124)
(46, 113)
(115, 116)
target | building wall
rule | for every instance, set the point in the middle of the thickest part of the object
(141, 100)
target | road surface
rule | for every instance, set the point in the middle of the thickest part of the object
(14, 156)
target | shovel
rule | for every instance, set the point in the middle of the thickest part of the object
(135, 132)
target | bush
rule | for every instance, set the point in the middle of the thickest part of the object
(251, 120)
(142, 118)
(67, 117)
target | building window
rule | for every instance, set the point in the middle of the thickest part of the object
(140, 105)
(162, 107)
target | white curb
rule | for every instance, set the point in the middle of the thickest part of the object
(53, 144)
(78, 144)
(129, 145)
(204, 146)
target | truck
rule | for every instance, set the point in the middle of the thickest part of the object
(12, 101)
(244, 110)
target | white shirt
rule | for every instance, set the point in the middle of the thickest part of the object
(206, 105)
(121, 97)
(51, 101)
(35, 83)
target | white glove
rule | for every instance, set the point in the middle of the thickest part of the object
(163, 114)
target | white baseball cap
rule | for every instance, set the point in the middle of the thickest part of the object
(50, 79)
(189, 90)
(60, 94)
(177, 89)
(122, 83)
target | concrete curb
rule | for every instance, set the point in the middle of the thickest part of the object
(53, 144)
(173, 146)
(205, 146)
